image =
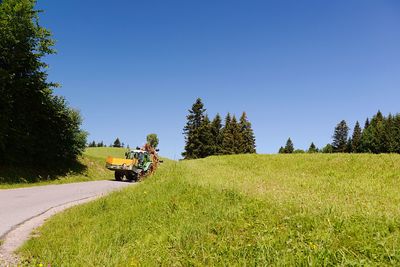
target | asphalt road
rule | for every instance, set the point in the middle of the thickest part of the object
(22, 204)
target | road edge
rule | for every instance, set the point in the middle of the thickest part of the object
(21, 233)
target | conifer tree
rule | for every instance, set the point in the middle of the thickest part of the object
(237, 136)
(396, 133)
(312, 148)
(373, 135)
(206, 139)
(228, 142)
(117, 143)
(356, 139)
(216, 131)
(281, 150)
(248, 145)
(340, 137)
(192, 130)
(289, 147)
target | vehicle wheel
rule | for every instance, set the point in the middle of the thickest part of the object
(130, 176)
(118, 176)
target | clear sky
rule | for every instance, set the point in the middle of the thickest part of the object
(296, 67)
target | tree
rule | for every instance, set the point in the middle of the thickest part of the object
(228, 142)
(373, 136)
(248, 145)
(281, 150)
(37, 127)
(192, 130)
(340, 137)
(206, 147)
(312, 148)
(328, 149)
(152, 139)
(216, 131)
(117, 143)
(356, 139)
(289, 147)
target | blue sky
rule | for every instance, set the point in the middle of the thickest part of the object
(296, 67)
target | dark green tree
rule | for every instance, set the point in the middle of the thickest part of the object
(206, 138)
(228, 142)
(356, 139)
(37, 127)
(216, 131)
(327, 149)
(340, 137)
(117, 143)
(289, 147)
(372, 140)
(248, 145)
(192, 130)
(312, 148)
(152, 139)
(281, 150)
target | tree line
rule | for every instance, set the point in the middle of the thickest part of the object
(204, 137)
(36, 127)
(380, 134)
(151, 139)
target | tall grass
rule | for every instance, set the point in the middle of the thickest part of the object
(319, 210)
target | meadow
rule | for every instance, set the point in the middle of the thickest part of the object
(90, 167)
(244, 210)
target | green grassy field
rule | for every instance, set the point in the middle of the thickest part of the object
(90, 167)
(295, 210)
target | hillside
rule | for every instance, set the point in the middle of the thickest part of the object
(88, 168)
(238, 210)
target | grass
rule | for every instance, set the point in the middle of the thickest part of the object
(90, 167)
(296, 210)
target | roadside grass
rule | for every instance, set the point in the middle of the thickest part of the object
(246, 210)
(89, 167)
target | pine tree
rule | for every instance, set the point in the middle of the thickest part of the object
(356, 139)
(289, 147)
(312, 148)
(237, 136)
(248, 145)
(216, 131)
(206, 138)
(366, 125)
(340, 137)
(389, 138)
(117, 143)
(281, 150)
(396, 133)
(373, 136)
(227, 137)
(192, 130)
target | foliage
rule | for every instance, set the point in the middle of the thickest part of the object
(356, 139)
(37, 128)
(205, 138)
(328, 149)
(340, 137)
(248, 145)
(117, 143)
(286, 210)
(312, 148)
(289, 147)
(152, 139)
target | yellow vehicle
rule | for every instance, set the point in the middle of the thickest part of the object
(137, 163)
